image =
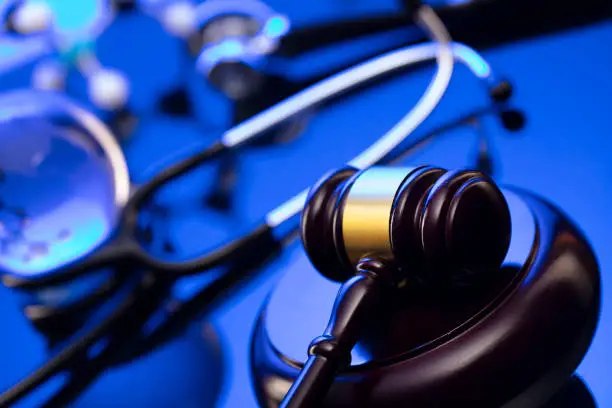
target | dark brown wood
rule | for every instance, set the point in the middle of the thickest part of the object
(451, 227)
(358, 299)
(465, 229)
(317, 224)
(574, 394)
(512, 345)
(407, 206)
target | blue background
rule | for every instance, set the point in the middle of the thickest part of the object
(562, 83)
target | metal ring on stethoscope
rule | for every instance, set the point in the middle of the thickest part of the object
(245, 49)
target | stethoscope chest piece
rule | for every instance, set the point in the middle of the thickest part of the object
(512, 344)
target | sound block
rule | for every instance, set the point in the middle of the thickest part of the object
(574, 394)
(514, 344)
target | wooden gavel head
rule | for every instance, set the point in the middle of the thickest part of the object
(446, 228)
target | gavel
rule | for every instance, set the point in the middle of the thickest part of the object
(385, 228)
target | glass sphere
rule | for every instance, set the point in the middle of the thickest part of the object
(63, 182)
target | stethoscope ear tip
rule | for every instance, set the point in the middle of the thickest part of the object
(501, 92)
(512, 119)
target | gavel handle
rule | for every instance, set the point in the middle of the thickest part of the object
(331, 352)
(313, 383)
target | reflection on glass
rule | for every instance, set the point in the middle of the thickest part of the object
(57, 192)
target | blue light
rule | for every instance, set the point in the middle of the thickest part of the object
(15, 53)
(8, 49)
(71, 17)
(276, 27)
(57, 191)
(225, 50)
(89, 227)
(477, 64)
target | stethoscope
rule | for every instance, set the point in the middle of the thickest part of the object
(247, 51)
(138, 300)
(242, 48)
(227, 41)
